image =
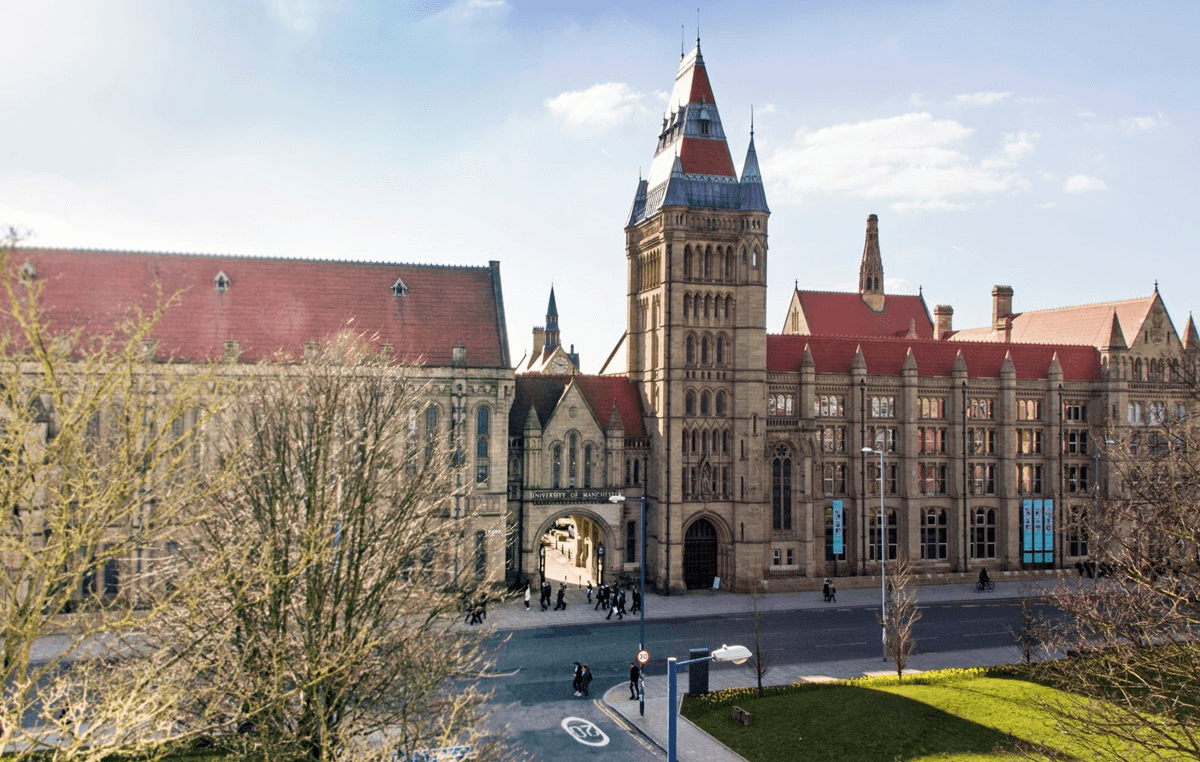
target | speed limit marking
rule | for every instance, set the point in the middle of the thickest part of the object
(643, 657)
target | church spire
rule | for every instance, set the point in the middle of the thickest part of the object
(870, 273)
(551, 324)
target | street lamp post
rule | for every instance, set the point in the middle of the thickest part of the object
(883, 551)
(735, 654)
(641, 601)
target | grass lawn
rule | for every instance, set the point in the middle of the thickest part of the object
(955, 715)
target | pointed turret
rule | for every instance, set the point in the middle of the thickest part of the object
(1116, 337)
(692, 165)
(639, 203)
(754, 196)
(870, 272)
(1191, 339)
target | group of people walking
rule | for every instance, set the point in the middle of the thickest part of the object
(583, 678)
(608, 598)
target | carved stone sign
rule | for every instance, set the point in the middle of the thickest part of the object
(573, 495)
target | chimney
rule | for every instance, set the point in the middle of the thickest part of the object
(943, 317)
(1001, 306)
(539, 340)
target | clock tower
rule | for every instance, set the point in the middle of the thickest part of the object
(696, 248)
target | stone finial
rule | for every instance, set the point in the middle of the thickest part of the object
(860, 360)
(532, 424)
(807, 362)
(960, 365)
(910, 363)
(1008, 369)
(614, 419)
(1056, 371)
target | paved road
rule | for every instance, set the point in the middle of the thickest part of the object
(533, 692)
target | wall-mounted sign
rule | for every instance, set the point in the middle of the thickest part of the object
(573, 495)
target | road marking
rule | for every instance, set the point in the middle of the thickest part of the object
(584, 731)
(838, 645)
(984, 634)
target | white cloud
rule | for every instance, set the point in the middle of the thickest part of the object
(1083, 183)
(913, 159)
(1047, 205)
(1016, 146)
(600, 107)
(299, 16)
(916, 99)
(1086, 114)
(1143, 123)
(981, 99)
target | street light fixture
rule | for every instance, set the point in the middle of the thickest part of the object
(883, 551)
(641, 601)
(735, 654)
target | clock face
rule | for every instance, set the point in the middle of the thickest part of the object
(560, 365)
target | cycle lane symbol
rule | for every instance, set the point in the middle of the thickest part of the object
(584, 731)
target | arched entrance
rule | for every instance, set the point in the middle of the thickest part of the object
(573, 547)
(700, 554)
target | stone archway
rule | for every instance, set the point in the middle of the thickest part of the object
(577, 552)
(700, 543)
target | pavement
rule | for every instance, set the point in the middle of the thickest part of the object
(694, 744)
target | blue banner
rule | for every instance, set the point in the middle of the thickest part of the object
(1048, 530)
(837, 528)
(1027, 530)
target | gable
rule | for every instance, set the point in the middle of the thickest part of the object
(831, 313)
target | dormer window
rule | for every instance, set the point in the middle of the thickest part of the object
(399, 288)
(221, 281)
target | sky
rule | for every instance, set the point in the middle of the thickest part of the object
(1050, 146)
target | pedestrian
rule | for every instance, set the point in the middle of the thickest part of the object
(528, 595)
(545, 601)
(634, 675)
(602, 597)
(825, 589)
(637, 601)
(585, 679)
(833, 593)
(577, 683)
(560, 604)
(621, 604)
(589, 591)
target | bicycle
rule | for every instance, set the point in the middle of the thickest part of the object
(988, 585)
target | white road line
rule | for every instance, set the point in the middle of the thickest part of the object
(838, 645)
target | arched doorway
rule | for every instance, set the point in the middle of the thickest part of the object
(700, 554)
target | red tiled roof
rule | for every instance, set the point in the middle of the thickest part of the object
(275, 305)
(844, 313)
(706, 157)
(885, 357)
(1089, 324)
(701, 89)
(542, 393)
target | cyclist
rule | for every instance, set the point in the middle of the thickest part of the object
(983, 578)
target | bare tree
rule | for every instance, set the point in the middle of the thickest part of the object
(900, 614)
(760, 659)
(1133, 631)
(315, 619)
(1032, 630)
(98, 471)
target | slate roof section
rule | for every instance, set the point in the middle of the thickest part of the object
(692, 165)
(841, 313)
(542, 393)
(273, 306)
(1089, 324)
(885, 357)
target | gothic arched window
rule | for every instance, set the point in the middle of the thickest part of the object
(690, 350)
(689, 403)
(781, 489)
(556, 457)
(721, 403)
